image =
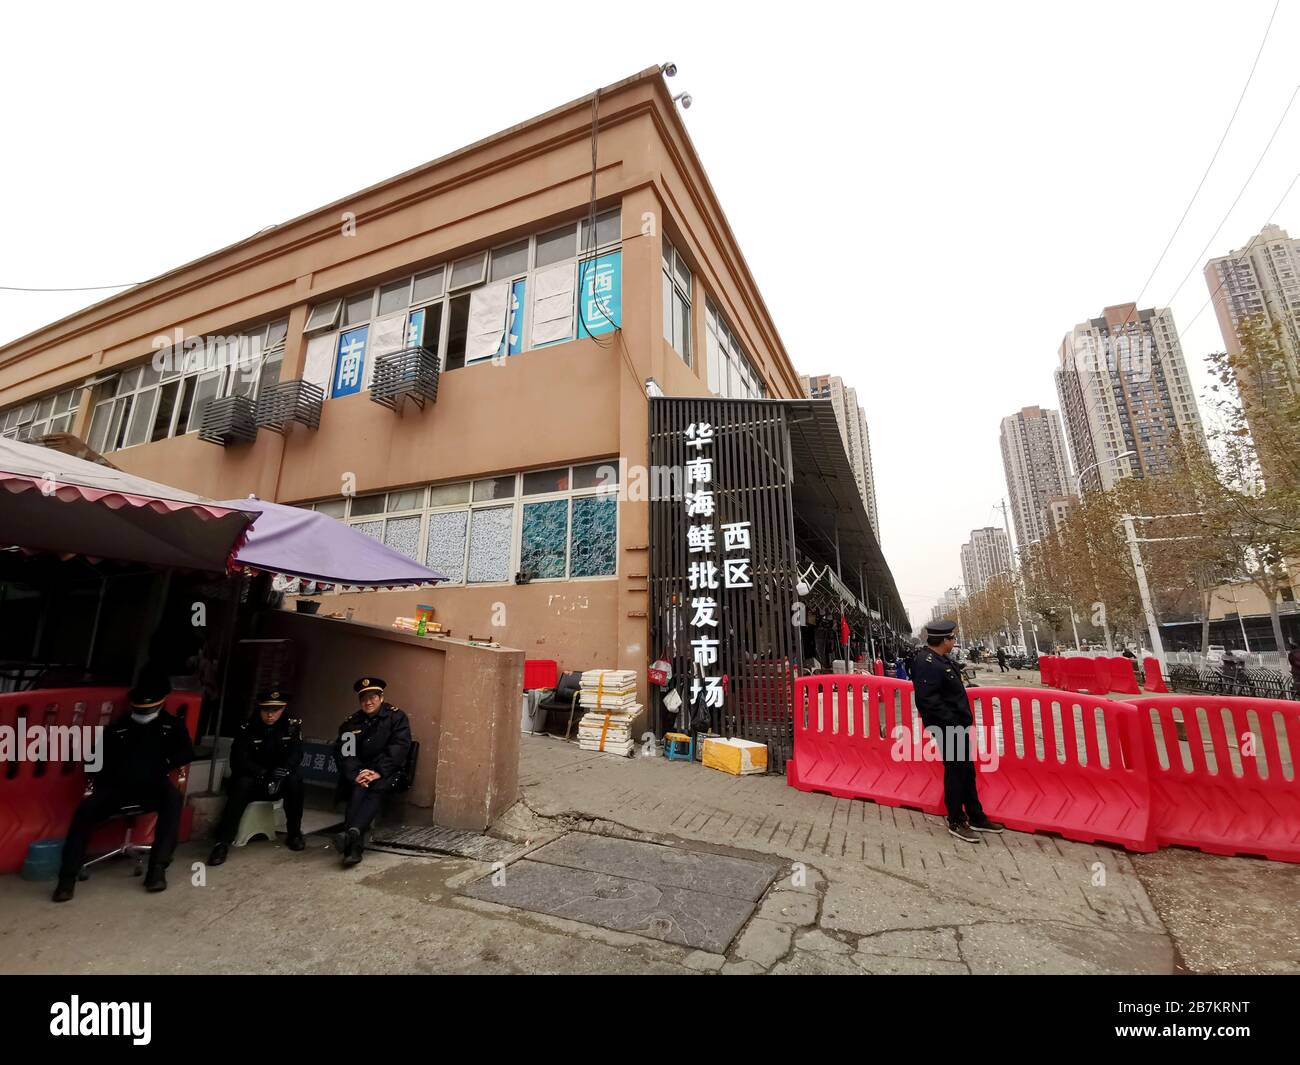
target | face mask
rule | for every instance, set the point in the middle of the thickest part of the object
(143, 718)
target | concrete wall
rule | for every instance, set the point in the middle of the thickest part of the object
(463, 702)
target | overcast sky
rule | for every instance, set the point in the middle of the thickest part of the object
(929, 195)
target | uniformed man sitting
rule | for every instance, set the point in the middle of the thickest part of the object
(371, 752)
(140, 750)
(265, 764)
(945, 712)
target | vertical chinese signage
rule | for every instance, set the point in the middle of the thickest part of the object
(704, 578)
(349, 367)
(600, 294)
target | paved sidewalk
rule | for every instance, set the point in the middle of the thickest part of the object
(857, 888)
(897, 894)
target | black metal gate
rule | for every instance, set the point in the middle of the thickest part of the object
(757, 652)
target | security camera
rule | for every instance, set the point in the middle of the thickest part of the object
(668, 70)
(684, 98)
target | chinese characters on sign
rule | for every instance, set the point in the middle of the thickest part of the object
(705, 578)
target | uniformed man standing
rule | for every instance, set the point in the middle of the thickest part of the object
(140, 750)
(945, 712)
(265, 764)
(371, 752)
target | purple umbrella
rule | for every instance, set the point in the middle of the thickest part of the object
(316, 547)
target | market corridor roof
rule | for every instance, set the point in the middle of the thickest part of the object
(826, 498)
(51, 502)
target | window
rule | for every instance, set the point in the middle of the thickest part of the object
(731, 374)
(323, 316)
(677, 301)
(167, 396)
(565, 526)
(509, 261)
(40, 417)
(499, 302)
(608, 227)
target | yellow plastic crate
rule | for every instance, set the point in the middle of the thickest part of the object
(737, 757)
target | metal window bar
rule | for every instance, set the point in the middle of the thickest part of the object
(288, 402)
(411, 373)
(229, 420)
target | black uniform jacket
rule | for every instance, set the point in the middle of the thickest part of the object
(940, 694)
(138, 757)
(381, 743)
(260, 749)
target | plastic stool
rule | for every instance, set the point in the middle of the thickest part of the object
(260, 819)
(672, 747)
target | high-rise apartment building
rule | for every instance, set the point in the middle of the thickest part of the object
(1056, 512)
(986, 554)
(1037, 468)
(1260, 282)
(853, 429)
(1126, 395)
(947, 607)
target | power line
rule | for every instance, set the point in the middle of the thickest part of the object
(1201, 184)
(1239, 259)
(1249, 77)
(1249, 177)
(69, 288)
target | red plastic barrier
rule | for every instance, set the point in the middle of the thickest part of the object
(1083, 676)
(1155, 680)
(1047, 670)
(878, 668)
(847, 743)
(1207, 790)
(1066, 763)
(38, 799)
(1122, 677)
(844, 742)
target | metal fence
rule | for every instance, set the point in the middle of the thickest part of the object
(1256, 683)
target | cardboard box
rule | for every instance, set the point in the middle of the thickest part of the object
(734, 756)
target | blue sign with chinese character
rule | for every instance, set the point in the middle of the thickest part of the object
(600, 294)
(350, 365)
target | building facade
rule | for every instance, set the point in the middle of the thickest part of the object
(1127, 398)
(1037, 468)
(1260, 283)
(948, 607)
(853, 429)
(1056, 512)
(457, 362)
(986, 554)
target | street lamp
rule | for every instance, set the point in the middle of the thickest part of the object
(1103, 462)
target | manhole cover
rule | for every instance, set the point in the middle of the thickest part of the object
(685, 897)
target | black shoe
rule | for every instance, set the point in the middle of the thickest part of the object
(155, 879)
(67, 885)
(296, 841)
(988, 826)
(353, 848)
(218, 855)
(962, 831)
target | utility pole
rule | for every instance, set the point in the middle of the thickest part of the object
(1015, 584)
(1139, 571)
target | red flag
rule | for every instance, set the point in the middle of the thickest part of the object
(844, 630)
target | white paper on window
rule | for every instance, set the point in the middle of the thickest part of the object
(320, 360)
(386, 335)
(553, 304)
(487, 321)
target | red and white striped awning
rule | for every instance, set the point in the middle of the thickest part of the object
(54, 503)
